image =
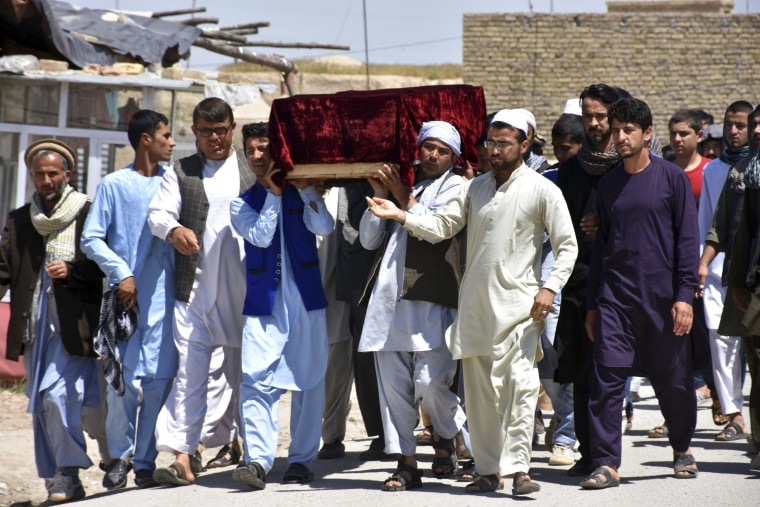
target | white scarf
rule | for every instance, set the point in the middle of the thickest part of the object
(60, 226)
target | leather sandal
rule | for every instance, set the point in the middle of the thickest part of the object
(450, 461)
(407, 476)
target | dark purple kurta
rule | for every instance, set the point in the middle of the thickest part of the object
(645, 259)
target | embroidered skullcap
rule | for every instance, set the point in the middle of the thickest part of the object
(513, 118)
(55, 145)
(529, 118)
(444, 132)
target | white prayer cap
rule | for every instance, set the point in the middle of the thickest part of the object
(444, 132)
(529, 118)
(572, 106)
(512, 117)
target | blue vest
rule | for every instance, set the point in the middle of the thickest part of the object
(264, 265)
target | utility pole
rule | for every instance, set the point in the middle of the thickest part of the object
(366, 47)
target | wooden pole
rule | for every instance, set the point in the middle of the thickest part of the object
(366, 47)
(261, 24)
(301, 45)
(280, 63)
(178, 12)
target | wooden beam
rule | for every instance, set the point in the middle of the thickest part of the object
(178, 12)
(279, 63)
(243, 31)
(260, 24)
(198, 21)
(334, 171)
(302, 45)
(219, 35)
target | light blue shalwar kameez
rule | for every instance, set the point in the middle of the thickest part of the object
(117, 237)
(59, 386)
(286, 350)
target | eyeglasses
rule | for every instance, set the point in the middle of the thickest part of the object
(219, 131)
(499, 145)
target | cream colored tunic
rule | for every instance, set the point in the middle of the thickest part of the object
(505, 229)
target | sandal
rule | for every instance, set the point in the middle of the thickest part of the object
(731, 432)
(484, 484)
(424, 437)
(467, 471)
(601, 478)
(173, 475)
(226, 456)
(196, 462)
(719, 419)
(523, 485)
(685, 466)
(407, 476)
(297, 474)
(449, 461)
(658, 431)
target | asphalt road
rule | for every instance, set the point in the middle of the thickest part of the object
(724, 479)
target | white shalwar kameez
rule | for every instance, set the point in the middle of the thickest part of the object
(214, 315)
(413, 363)
(724, 350)
(494, 334)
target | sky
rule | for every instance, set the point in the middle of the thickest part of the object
(412, 32)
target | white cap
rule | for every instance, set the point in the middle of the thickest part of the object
(528, 117)
(512, 117)
(572, 106)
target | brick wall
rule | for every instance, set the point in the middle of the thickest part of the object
(670, 61)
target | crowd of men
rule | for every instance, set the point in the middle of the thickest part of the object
(482, 282)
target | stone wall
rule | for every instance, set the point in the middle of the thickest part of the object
(671, 6)
(672, 61)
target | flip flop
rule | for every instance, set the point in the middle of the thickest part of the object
(594, 481)
(731, 432)
(173, 475)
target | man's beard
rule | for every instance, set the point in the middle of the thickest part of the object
(57, 195)
(598, 138)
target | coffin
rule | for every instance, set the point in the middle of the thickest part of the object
(351, 134)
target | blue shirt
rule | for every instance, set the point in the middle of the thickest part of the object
(117, 237)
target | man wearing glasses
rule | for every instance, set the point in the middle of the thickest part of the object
(502, 305)
(191, 211)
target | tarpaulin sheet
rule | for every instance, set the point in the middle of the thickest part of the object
(93, 36)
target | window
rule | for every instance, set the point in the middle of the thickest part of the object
(98, 107)
(29, 102)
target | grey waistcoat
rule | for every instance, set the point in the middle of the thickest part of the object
(194, 212)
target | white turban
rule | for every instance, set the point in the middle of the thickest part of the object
(444, 132)
(512, 117)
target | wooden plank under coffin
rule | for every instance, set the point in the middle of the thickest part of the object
(355, 170)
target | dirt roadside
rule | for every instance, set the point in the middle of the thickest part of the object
(20, 485)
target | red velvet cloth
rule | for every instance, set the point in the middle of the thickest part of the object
(10, 371)
(371, 126)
